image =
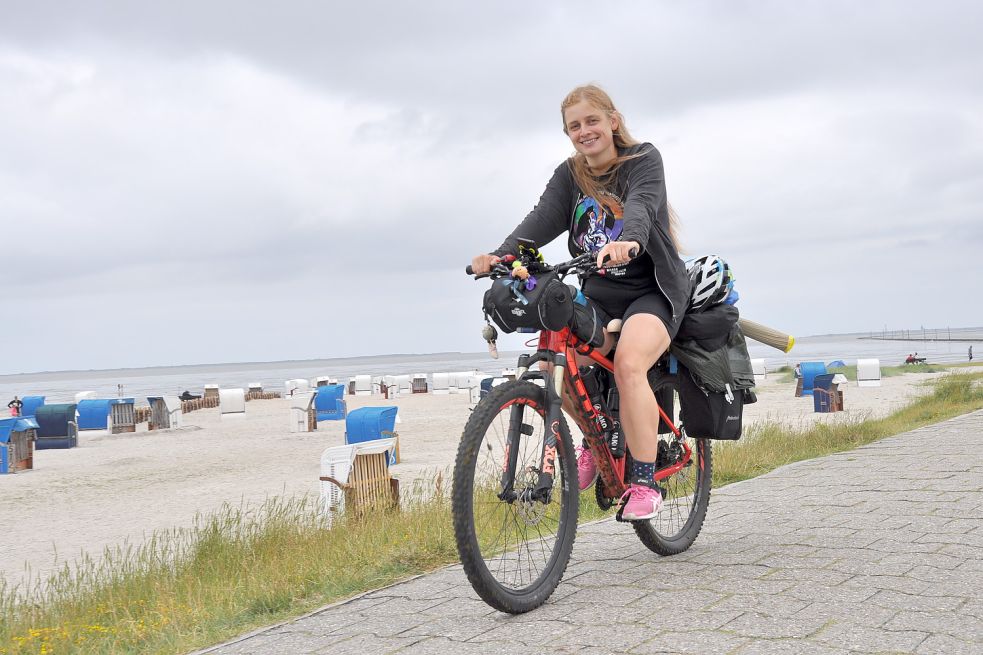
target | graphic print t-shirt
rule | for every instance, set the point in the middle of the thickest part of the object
(593, 225)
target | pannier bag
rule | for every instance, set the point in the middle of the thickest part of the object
(710, 414)
(548, 306)
(714, 386)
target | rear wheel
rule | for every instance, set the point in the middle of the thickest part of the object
(687, 496)
(514, 551)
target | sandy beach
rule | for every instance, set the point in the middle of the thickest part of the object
(123, 487)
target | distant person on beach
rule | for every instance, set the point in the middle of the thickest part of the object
(15, 406)
(909, 359)
(797, 372)
(970, 353)
(187, 395)
(623, 182)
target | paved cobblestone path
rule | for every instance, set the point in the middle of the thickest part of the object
(876, 550)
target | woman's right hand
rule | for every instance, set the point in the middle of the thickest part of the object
(482, 264)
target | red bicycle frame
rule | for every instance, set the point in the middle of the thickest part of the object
(611, 469)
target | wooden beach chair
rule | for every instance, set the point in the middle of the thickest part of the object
(355, 478)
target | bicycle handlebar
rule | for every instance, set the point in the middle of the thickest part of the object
(562, 269)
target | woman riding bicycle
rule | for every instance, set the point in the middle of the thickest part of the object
(611, 198)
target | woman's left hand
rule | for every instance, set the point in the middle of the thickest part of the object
(618, 252)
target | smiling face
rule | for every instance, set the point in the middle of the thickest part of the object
(591, 131)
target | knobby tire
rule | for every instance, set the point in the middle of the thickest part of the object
(684, 509)
(515, 566)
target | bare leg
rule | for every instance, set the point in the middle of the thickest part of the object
(644, 339)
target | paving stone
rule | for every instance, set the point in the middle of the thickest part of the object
(947, 645)
(894, 565)
(698, 642)
(901, 601)
(752, 624)
(950, 623)
(790, 647)
(854, 613)
(869, 640)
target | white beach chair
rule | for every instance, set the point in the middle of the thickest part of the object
(391, 385)
(300, 405)
(441, 383)
(172, 405)
(868, 372)
(232, 403)
(295, 386)
(404, 384)
(758, 368)
(84, 395)
(363, 385)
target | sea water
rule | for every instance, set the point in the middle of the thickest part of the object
(138, 383)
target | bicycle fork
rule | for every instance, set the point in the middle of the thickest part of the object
(517, 427)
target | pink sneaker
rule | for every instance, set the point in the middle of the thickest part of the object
(644, 502)
(586, 468)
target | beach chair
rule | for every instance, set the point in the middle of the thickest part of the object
(373, 423)
(329, 402)
(17, 438)
(363, 385)
(806, 383)
(165, 412)
(758, 367)
(356, 477)
(441, 383)
(296, 386)
(231, 403)
(31, 404)
(303, 416)
(93, 413)
(868, 372)
(56, 426)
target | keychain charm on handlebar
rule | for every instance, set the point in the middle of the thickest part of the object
(490, 334)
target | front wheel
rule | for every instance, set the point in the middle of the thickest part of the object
(684, 508)
(515, 548)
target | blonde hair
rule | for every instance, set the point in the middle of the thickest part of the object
(594, 183)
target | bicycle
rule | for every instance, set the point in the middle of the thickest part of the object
(515, 499)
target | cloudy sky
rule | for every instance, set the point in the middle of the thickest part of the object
(192, 182)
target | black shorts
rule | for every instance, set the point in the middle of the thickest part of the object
(627, 303)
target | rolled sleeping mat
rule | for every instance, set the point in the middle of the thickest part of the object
(766, 335)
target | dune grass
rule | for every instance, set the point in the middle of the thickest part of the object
(242, 568)
(766, 446)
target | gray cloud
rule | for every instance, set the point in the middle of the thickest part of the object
(307, 180)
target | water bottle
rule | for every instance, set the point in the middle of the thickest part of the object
(594, 382)
(616, 437)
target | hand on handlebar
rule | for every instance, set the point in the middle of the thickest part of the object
(616, 253)
(482, 264)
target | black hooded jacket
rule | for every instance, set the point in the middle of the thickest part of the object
(641, 186)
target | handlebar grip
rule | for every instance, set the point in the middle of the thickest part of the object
(766, 335)
(632, 254)
(469, 270)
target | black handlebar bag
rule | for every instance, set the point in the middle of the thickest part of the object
(548, 306)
